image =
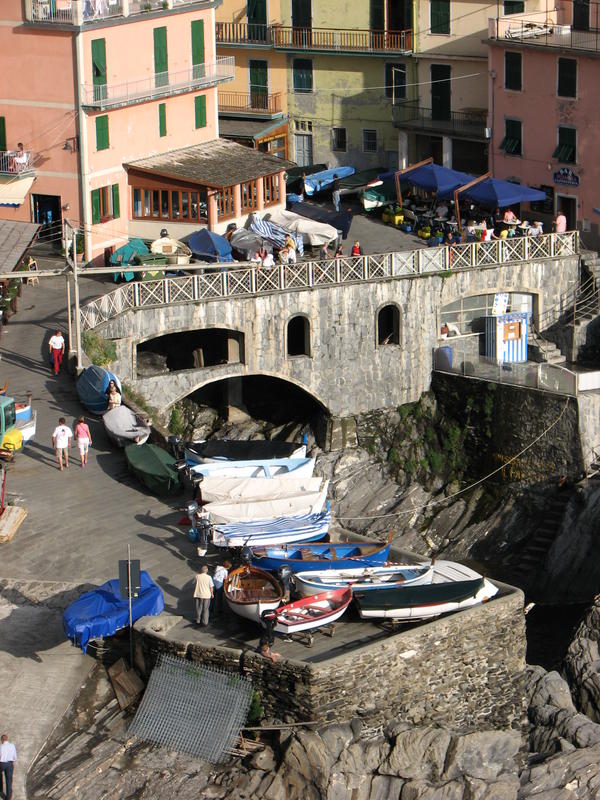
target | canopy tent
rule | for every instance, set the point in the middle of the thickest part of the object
(208, 246)
(496, 193)
(430, 177)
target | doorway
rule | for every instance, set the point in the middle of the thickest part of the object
(303, 149)
(440, 91)
(257, 20)
(302, 23)
(581, 15)
(47, 213)
(568, 205)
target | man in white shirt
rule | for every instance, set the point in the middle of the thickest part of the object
(203, 594)
(8, 756)
(219, 578)
(56, 347)
(61, 441)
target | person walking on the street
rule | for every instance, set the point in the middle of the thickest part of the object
(221, 573)
(335, 195)
(84, 439)
(56, 348)
(61, 441)
(203, 594)
(8, 756)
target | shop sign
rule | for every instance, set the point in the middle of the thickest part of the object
(566, 177)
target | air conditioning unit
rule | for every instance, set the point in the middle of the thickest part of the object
(488, 133)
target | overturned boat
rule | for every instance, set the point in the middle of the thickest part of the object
(123, 426)
(309, 528)
(304, 504)
(234, 490)
(259, 468)
(329, 555)
(241, 450)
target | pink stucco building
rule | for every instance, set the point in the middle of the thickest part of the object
(544, 112)
(100, 84)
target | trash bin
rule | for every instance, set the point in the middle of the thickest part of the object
(443, 358)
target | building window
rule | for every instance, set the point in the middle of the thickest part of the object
(162, 119)
(224, 199)
(513, 7)
(161, 63)
(198, 48)
(298, 337)
(395, 81)
(105, 204)
(248, 195)
(302, 74)
(440, 16)
(99, 68)
(303, 125)
(566, 149)
(200, 111)
(369, 137)
(567, 77)
(2, 134)
(102, 132)
(271, 190)
(161, 203)
(513, 71)
(388, 325)
(338, 140)
(512, 144)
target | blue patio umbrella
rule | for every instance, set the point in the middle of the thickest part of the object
(432, 178)
(496, 193)
(209, 246)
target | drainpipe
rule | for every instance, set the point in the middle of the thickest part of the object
(86, 203)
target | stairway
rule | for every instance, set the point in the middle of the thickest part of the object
(532, 556)
(541, 350)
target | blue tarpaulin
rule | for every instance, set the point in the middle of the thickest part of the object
(496, 193)
(103, 612)
(208, 246)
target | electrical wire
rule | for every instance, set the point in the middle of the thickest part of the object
(467, 488)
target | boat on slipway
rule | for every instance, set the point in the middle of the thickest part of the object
(250, 592)
(154, 467)
(216, 489)
(236, 450)
(365, 579)
(92, 385)
(453, 587)
(309, 528)
(308, 613)
(329, 555)
(291, 506)
(319, 181)
(261, 468)
(123, 426)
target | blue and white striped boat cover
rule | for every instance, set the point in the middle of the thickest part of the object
(275, 233)
(308, 527)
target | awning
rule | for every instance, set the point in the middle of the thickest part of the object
(13, 191)
(249, 129)
(15, 239)
(493, 192)
(432, 178)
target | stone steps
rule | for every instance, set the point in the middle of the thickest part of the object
(532, 555)
(542, 351)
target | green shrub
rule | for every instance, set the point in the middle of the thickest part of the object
(99, 351)
(256, 711)
(436, 461)
(410, 466)
(177, 424)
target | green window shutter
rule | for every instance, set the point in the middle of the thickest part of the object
(95, 206)
(162, 119)
(99, 68)
(115, 199)
(161, 67)
(2, 133)
(197, 41)
(200, 109)
(102, 142)
(440, 16)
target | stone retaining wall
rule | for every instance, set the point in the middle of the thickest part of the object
(465, 671)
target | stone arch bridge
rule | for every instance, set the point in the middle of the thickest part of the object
(367, 329)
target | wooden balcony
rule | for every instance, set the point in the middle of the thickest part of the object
(334, 40)
(257, 105)
(467, 124)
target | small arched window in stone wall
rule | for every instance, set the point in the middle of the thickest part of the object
(388, 325)
(298, 336)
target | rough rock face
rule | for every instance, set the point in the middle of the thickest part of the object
(582, 664)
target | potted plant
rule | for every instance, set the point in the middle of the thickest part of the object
(79, 246)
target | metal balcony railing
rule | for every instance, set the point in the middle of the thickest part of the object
(545, 33)
(242, 33)
(161, 84)
(81, 12)
(250, 103)
(415, 117)
(17, 165)
(347, 41)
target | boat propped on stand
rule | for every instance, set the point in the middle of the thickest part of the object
(238, 450)
(332, 555)
(234, 490)
(308, 614)
(452, 588)
(367, 579)
(123, 427)
(290, 506)
(250, 591)
(311, 527)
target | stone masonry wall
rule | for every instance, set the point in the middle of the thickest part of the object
(346, 371)
(465, 671)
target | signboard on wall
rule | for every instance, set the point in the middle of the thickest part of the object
(566, 177)
(500, 304)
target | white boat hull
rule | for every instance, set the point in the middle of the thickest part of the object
(313, 582)
(309, 625)
(240, 469)
(28, 427)
(291, 506)
(233, 490)
(251, 611)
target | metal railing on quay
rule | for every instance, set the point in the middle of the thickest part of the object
(159, 85)
(247, 281)
(460, 356)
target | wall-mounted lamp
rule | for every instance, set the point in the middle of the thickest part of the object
(549, 167)
(70, 145)
(66, 207)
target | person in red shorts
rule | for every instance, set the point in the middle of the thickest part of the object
(56, 347)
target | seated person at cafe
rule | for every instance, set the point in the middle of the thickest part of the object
(442, 210)
(537, 229)
(510, 216)
(500, 231)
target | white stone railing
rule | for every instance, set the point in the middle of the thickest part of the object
(249, 281)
